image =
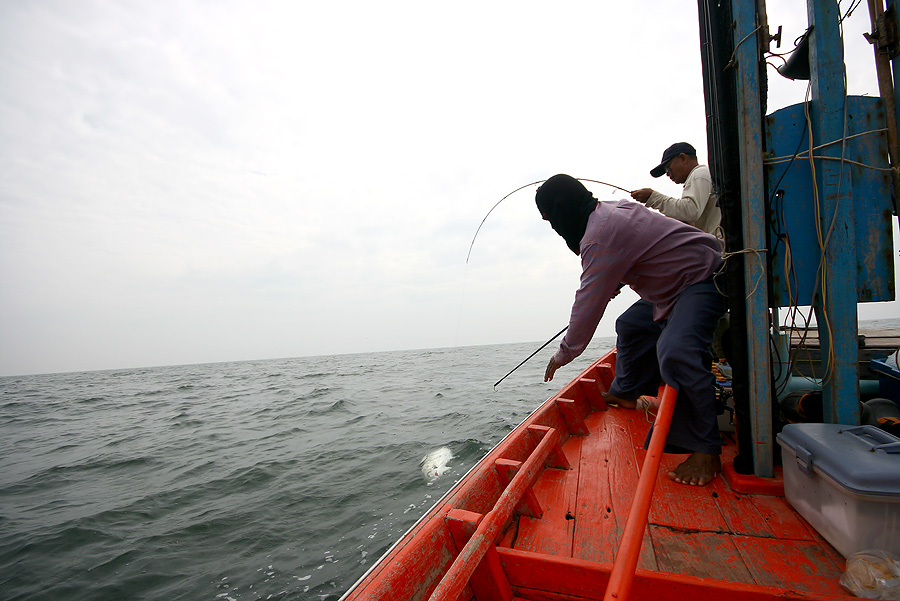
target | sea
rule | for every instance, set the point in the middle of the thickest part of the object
(277, 479)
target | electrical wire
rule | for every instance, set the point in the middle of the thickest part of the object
(731, 62)
(798, 154)
(853, 7)
(748, 251)
(842, 160)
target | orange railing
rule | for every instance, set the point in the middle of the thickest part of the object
(622, 575)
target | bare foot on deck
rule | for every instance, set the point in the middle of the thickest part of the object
(699, 469)
(641, 403)
(617, 401)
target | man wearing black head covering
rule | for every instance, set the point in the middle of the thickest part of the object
(670, 265)
(566, 204)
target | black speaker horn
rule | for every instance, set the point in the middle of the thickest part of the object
(797, 64)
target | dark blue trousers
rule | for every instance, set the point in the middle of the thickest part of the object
(674, 351)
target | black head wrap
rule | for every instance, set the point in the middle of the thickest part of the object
(566, 204)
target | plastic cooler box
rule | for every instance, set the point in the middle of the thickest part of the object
(845, 480)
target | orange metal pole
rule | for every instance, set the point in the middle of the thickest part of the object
(622, 575)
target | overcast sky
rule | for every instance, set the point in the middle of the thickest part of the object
(196, 181)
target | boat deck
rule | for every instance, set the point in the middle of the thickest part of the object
(542, 516)
(710, 532)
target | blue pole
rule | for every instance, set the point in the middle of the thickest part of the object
(835, 299)
(753, 195)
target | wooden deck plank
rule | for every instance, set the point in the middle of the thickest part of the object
(596, 538)
(781, 518)
(606, 489)
(593, 468)
(703, 554)
(572, 448)
(596, 528)
(790, 563)
(739, 512)
(624, 477)
(552, 532)
(685, 507)
(556, 491)
(623, 467)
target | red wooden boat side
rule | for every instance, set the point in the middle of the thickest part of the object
(528, 527)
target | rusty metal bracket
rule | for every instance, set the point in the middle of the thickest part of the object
(885, 36)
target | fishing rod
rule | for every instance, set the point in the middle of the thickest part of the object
(618, 288)
(530, 356)
(469, 254)
(596, 181)
(473, 244)
(491, 211)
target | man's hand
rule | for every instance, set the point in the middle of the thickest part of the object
(642, 195)
(551, 369)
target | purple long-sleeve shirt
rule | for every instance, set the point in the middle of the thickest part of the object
(626, 242)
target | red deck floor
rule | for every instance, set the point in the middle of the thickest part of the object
(712, 531)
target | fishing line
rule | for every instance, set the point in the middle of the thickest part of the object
(469, 254)
(462, 301)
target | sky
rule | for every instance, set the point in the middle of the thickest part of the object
(196, 181)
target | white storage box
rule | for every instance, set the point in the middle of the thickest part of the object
(845, 481)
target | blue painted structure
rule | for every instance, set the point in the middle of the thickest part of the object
(835, 299)
(833, 217)
(793, 247)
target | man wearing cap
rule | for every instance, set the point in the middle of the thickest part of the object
(697, 205)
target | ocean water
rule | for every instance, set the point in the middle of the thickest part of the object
(277, 479)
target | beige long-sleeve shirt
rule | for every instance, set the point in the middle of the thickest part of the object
(697, 205)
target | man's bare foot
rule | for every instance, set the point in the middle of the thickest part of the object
(699, 469)
(617, 401)
(641, 402)
(625, 404)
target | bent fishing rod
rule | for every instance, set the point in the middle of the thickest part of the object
(581, 179)
(469, 254)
